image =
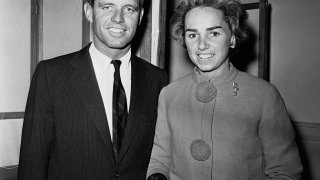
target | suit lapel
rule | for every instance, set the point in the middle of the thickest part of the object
(85, 83)
(139, 83)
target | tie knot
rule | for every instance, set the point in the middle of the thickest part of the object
(116, 64)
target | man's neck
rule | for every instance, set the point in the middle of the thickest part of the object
(111, 52)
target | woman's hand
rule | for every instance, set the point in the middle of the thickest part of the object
(157, 176)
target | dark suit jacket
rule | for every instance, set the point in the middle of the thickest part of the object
(65, 132)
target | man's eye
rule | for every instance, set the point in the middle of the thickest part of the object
(191, 36)
(107, 8)
(130, 9)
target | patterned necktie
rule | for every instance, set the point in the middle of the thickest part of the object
(119, 108)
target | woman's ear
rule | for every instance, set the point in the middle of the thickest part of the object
(233, 42)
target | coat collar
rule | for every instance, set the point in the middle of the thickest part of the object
(86, 85)
(140, 83)
(226, 76)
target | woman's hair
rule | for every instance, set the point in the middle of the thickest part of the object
(91, 2)
(232, 10)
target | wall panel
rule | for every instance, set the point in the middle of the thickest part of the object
(62, 27)
(14, 54)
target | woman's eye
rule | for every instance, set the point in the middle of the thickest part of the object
(214, 34)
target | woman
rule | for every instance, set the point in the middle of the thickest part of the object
(218, 122)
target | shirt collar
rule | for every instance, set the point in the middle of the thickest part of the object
(97, 55)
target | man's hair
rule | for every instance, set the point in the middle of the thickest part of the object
(232, 10)
(91, 2)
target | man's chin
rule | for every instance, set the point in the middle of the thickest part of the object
(118, 45)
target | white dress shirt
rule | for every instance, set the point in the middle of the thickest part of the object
(104, 71)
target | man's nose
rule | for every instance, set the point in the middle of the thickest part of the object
(117, 17)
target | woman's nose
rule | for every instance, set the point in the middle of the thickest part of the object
(203, 44)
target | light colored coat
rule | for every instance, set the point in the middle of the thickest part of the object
(250, 132)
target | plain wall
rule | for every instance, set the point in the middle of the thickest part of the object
(294, 60)
(14, 54)
(14, 74)
(62, 27)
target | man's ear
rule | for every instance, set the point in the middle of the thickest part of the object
(88, 10)
(141, 15)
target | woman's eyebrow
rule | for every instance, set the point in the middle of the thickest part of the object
(213, 28)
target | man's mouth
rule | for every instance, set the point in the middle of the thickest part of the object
(116, 30)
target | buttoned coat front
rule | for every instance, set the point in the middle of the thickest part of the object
(246, 126)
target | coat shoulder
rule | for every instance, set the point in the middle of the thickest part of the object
(148, 65)
(67, 58)
(176, 86)
(155, 73)
(256, 85)
(251, 80)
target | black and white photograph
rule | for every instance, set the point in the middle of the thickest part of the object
(159, 90)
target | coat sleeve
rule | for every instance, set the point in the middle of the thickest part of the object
(38, 129)
(160, 156)
(281, 155)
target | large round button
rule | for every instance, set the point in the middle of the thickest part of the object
(200, 150)
(205, 92)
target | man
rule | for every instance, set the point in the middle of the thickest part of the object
(68, 130)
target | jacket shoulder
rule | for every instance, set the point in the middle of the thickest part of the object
(147, 65)
(66, 58)
(155, 72)
(257, 85)
(174, 88)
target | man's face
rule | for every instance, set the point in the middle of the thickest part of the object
(208, 38)
(114, 22)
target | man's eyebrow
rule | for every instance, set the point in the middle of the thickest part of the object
(136, 7)
(192, 30)
(104, 3)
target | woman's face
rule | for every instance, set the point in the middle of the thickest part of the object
(208, 38)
